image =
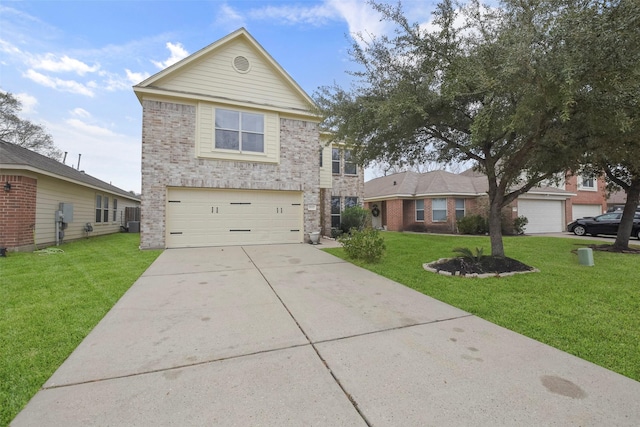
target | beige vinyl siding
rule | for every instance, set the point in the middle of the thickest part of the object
(205, 136)
(51, 192)
(214, 75)
(326, 178)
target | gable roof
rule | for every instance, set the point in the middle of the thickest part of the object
(439, 184)
(414, 184)
(15, 157)
(201, 65)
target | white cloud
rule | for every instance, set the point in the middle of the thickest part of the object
(28, 102)
(9, 48)
(178, 52)
(229, 18)
(315, 15)
(50, 62)
(360, 17)
(80, 112)
(135, 78)
(88, 129)
(61, 85)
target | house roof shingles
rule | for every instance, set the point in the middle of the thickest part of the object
(15, 157)
(436, 183)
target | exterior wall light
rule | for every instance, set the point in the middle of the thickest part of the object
(7, 187)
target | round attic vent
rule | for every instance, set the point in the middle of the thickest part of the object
(241, 64)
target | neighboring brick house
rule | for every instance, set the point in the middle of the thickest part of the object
(230, 151)
(33, 189)
(434, 201)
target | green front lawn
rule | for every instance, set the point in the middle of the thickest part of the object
(49, 303)
(591, 312)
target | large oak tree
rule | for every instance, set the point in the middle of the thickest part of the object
(479, 84)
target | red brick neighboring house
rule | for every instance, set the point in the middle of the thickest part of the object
(434, 201)
(34, 186)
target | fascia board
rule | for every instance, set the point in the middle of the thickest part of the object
(156, 94)
(19, 168)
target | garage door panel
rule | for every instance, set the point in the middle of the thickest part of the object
(198, 217)
(545, 216)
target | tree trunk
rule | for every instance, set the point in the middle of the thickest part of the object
(626, 222)
(495, 227)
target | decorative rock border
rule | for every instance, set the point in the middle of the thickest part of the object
(430, 267)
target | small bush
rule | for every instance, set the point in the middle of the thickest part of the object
(519, 224)
(354, 217)
(336, 232)
(468, 254)
(367, 244)
(473, 224)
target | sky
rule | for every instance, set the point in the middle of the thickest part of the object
(72, 64)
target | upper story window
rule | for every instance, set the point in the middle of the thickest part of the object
(349, 164)
(239, 131)
(587, 183)
(335, 160)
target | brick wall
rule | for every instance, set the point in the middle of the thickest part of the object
(584, 197)
(168, 159)
(17, 211)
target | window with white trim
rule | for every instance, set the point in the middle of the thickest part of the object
(115, 210)
(587, 183)
(419, 210)
(335, 160)
(350, 202)
(239, 131)
(105, 209)
(439, 210)
(98, 208)
(349, 165)
(459, 208)
(335, 212)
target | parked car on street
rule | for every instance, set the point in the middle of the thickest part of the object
(602, 224)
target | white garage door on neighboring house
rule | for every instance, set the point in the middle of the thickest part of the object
(545, 216)
(581, 211)
(208, 217)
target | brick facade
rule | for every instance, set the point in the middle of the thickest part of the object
(17, 211)
(584, 197)
(169, 160)
(342, 186)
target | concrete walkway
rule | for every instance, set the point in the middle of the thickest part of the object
(287, 335)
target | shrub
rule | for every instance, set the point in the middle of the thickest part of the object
(366, 244)
(336, 232)
(473, 224)
(519, 224)
(354, 217)
(468, 254)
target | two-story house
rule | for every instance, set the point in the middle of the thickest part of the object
(230, 152)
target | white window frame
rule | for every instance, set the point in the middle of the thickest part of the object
(240, 130)
(419, 208)
(339, 213)
(583, 187)
(434, 210)
(336, 155)
(349, 163)
(464, 208)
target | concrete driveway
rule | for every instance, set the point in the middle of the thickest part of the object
(287, 335)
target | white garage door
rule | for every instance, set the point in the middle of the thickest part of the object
(545, 216)
(581, 211)
(205, 217)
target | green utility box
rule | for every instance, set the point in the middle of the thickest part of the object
(585, 256)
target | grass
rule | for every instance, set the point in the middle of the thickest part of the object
(591, 312)
(49, 303)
